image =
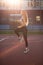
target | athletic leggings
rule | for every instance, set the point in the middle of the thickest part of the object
(23, 30)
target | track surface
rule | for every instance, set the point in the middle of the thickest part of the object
(12, 50)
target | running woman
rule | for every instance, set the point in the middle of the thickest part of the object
(23, 23)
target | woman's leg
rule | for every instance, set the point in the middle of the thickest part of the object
(25, 39)
(25, 36)
(17, 32)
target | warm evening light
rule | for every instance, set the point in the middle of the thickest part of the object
(12, 2)
(17, 2)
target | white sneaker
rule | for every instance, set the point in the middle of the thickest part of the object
(26, 50)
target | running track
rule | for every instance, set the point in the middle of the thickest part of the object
(12, 50)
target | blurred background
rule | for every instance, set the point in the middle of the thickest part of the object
(10, 10)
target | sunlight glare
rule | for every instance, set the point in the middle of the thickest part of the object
(12, 2)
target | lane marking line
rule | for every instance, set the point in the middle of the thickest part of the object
(35, 40)
(3, 39)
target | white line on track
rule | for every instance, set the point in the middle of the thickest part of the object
(35, 40)
(3, 39)
(8, 37)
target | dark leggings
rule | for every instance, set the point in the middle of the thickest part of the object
(24, 32)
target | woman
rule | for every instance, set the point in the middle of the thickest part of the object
(23, 28)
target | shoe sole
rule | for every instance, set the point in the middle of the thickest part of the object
(26, 52)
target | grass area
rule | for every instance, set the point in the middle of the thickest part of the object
(6, 32)
(12, 32)
(35, 32)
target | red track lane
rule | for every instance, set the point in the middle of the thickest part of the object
(7, 51)
(12, 51)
